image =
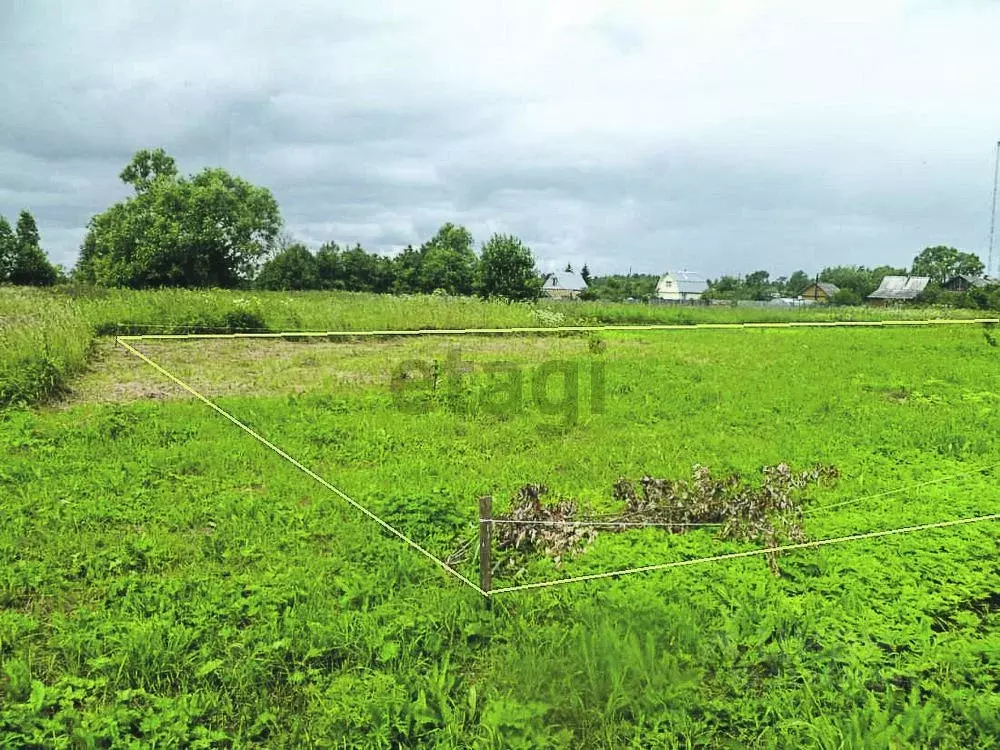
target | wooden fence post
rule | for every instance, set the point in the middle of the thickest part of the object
(485, 545)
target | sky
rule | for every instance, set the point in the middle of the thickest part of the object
(718, 137)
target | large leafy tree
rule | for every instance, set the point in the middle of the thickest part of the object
(448, 261)
(294, 268)
(507, 269)
(942, 263)
(209, 229)
(27, 264)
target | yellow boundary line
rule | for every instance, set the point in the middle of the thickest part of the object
(473, 331)
(750, 553)
(557, 329)
(304, 469)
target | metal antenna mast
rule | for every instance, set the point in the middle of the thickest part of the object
(993, 214)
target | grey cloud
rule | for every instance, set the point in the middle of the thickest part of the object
(625, 139)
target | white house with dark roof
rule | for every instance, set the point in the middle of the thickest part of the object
(681, 286)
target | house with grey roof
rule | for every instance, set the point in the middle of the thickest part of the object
(963, 283)
(563, 285)
(681, 286)
(899, 289)
(821, 291)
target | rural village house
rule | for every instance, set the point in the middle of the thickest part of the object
(820, 291)
(563, 285)
(962, 283)
(681, 286)
(899, 289)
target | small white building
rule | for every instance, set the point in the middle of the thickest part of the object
(564, 285)
(681, 286)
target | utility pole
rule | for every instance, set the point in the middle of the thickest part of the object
(993, 213)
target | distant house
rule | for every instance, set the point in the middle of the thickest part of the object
(821, 291)
(963, 283)
(563, 285)
(899, 289)
(681, 286)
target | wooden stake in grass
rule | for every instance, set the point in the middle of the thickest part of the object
(485, 545)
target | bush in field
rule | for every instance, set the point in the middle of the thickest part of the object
(848, 297)
(209, 229)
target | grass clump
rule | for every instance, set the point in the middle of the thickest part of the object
(43, 342)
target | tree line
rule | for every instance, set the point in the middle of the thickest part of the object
(215, 229)
(447, 263)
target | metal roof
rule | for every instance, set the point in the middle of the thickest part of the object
(687, 282)
(900, 287)
(970, 280)
(826, 286)
(571, 281)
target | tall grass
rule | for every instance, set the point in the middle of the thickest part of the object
(45, 335)
(43, 341)
(181, 310)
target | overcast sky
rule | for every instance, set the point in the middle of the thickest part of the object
(714, 136)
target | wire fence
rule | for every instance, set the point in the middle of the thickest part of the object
(486, 522)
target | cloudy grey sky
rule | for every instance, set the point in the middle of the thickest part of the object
(716, 136)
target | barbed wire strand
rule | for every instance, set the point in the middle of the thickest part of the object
(304, 469)
(749, 553)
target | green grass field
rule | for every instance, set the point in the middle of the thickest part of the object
(165, 580)
(45, 336)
